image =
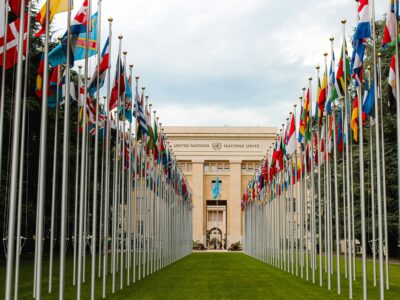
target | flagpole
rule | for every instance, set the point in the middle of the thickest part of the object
(54, 183)
(362, 194)
(21, 161)
(3, 84)
(397, 72)
(107, 167)
(383, 173)
(96, 156)
(318, 151)
(42, 153)
(65, 165)
(378, 155)
(297, 193)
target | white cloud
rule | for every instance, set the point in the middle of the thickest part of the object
(226, 61)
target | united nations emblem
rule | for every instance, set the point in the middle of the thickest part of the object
(217, 146)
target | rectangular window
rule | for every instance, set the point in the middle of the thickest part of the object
(243, 166)
(213, 167)
(250, 167)
(219, 167)
(226, 167)
(206, 168)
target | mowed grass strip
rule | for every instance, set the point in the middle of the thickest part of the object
(210, 276)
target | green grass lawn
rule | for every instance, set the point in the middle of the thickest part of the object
(211, 276)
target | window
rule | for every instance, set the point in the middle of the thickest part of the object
(219, 167)
(206, 168)
(226, 167)
(213, 167)
(250, 167)
(215, 216)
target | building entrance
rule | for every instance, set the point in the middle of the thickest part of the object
(216, 225)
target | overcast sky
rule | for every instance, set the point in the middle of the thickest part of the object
(226, 62)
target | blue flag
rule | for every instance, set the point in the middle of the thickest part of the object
(216, 189)
(368, 104)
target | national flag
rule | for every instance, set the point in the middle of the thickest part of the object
(142, 127)
(151, 140)
(56, 7)
(156, 144)
(291, 143)
(332, 94)
(128, 99)
(354, 119)
(119, 84)
(52, 100)
(304, 121)
(64, 90)
(363, 29)
(77, 31)
(322, 99)
(389, 33)
(322, 144)
(339, 139)
(15, 6)
(357, 60)
(316, 113)
(340, 83)
(39, 77)
(330, 134)
(369, 99)
(392, 83)
(216, 189)
(11, 42)
(102, 70)
(2, 17)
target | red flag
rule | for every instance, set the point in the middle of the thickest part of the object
(12, 43)
(15, 6)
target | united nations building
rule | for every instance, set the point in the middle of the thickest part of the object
(230, 154)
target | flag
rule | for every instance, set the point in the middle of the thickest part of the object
(389, 33)
(322, 145)
(156, 144)
(369, 99)
(322, 99)
(330, 133)
(357, 60)
(340, 80)
(316, 113)
(331, 84)
(56, 7)
(142, 128)
(102, 70)
(291, 143)
(392, 83)
(39, 77)
(77, 32)
(151, 141)
(2, 17)
(339, 139)
(363, 29)
(216, 189)
(52, 100)
(64, 90)
(12, 43)
(119, 84)
(354, 119)
(304, 121)
(15, 6)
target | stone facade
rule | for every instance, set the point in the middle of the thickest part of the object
(232, 154)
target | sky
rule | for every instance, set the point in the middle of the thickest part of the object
(226, 62)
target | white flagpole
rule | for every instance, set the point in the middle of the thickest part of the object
(3, 82)
(107, 168)
(383, 173)
(42, 154)
(54, 183)
(95, 165)
(378, 155)
(362, 195)
(21, 163)
(65, 167)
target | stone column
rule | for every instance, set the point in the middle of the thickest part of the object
(198, 200)
(234, 210)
